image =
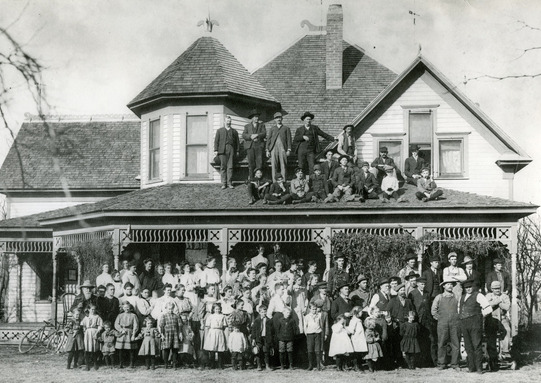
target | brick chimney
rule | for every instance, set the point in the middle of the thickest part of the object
(334, 38)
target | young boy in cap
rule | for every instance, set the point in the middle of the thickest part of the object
(300, 188)
(278, 192)
(366, 184)
(319, 185)
(427, 190)
(342, 181)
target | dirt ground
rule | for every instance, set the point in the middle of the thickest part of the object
(15, 367)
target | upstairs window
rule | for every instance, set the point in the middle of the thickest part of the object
(420, 133)
(451, 158)
(154, 150)
(394, 148)
(197, 151)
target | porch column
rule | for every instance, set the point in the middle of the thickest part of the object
(117, 246)
(57, 243)
(220, 238)
(513, 248)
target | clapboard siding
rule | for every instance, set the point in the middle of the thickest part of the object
(18, 207)
(483, 175)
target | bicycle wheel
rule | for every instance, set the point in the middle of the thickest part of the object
(30, 340)
(62, 344)
(53, 341)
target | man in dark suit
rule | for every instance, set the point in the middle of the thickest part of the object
(226, 145)
(366, 184)
(328, 166)
(413, 166)
(382, 161)
(307, 141)
(279, 146)
(499, 275)
(254, 136)
(470, 272)
(428, 341)
(433, 276)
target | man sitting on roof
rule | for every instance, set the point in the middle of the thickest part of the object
(278, 193)
(389, 186)
(427, 190)
(257, 187)
(366, 184)
(342, 181)
(383, 162)
(414, 165)
(319, 185)
(300, 188)
(328, 166)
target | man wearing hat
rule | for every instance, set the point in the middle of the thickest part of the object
(411, 281)
(226, 146)
(428, 339)
(319, 185)
(398, 309)
(381, 162)
(394, 282)
(254, 136)
(413, 165)
(366, 184)
(470, 272)
(472, 308)
(433, 276)
(279, 146)
(361, 296)
(307, 141)
(328, 166)
(383, 296)
(411, 260)
(454, 272)
(341, 304)
(445, 311)
(500, 275)
(346, 144)
(85, 298)
(338, 276)
(497, 324)
(342, 181)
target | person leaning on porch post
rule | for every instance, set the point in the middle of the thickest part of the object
(254, 136)
(497, 324)
(226, 146)
(473, 306)
(445, 311)
(104, 278)
(83, 301)
(307, 141)
(338, 275)
(279, 146)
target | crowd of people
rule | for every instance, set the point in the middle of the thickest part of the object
(276, 312)
(348, 179)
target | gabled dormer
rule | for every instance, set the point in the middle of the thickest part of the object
(183, 107)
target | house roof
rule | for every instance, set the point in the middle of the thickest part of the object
(91, 155)
(421, 62)
(209, 198)
(205, 68)
(297, 79)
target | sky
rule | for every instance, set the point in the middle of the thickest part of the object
(100, 54)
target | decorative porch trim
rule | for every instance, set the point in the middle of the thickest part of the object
(27, 246)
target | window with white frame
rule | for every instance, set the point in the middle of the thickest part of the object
(451, 157)
(394, 148)
(154, 150)
(197, 151)
(420, 126)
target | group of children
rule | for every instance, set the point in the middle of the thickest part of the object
(343, 181)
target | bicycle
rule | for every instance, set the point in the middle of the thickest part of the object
(50, 336)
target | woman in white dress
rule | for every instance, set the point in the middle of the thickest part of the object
(340, 346)
(187, 278)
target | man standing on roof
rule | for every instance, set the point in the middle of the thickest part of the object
(226, 145)
(307, 141)
(254, 142)
(279, 146)
(346, 144)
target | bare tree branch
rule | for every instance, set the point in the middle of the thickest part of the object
(527, 26)
(499, 78)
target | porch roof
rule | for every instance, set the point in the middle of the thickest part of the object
(208, 198)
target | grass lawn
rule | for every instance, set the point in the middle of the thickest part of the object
(15, 367)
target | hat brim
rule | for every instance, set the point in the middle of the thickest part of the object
(307, 115)
(253, 115)
(445, 282)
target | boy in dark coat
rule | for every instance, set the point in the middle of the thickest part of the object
(286, 329)
(319, 185)
(262, 337)
(278, 193)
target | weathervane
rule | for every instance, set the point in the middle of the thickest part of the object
(209, 23)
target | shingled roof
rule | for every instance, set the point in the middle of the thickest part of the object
(208, 197)
(296, 78)
(91, 155)
(205, 68)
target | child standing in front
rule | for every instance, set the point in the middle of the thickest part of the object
(286, 329)
(313, 330)
(75, 343)
(373, 342)
(340, 346)
(127, 326)
(215, 325)
(107, 340)
(92, 325)
(237, 345)
(187, 353)
(358, 339)
(149, 347)
(170, 333)
(409, 343)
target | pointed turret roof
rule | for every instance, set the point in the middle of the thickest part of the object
(205, 68)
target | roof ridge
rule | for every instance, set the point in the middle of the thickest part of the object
(79, 117)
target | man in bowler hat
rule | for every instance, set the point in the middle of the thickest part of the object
(254, 136)
(279, 146)
(307, 141)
